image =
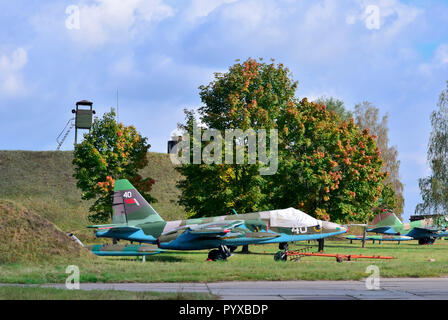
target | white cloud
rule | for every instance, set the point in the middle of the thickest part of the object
(418, 159)
(202, 8)
(124, 66)
(117, 20)
(398, 15)
(439, 60)
(253, 15)
(11, 65)
(394, 16)
(441, 55)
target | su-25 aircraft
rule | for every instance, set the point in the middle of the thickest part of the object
(135, 220)
(425, 231)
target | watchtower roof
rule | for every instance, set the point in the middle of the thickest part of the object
(84, 103)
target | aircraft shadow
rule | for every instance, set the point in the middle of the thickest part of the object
(164, 258)
(158, 258)
(373, 246)
(253, 253)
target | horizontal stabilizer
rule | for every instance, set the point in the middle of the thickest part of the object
(124, 250)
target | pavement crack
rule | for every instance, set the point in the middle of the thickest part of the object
(208, 289)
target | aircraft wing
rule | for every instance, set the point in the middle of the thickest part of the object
(226, 229)
(419, 230)
(211, 230)
(215, 228)
(387, 230)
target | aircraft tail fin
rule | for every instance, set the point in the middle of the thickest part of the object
(130, 207)
(386, 218)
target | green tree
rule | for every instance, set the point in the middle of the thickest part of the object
(335, 105)
(327, 167)
(367, 117)
(110, 151)
(434, 189)
(249, 96)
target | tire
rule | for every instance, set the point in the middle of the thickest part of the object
(424, 241)
(216, 255)
(280, 256)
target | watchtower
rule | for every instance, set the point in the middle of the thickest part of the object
(83, 116)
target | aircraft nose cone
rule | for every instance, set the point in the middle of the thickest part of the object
(333, 227)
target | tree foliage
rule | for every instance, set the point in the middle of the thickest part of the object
(328, 167)
(110, 151)
(335, 105)
(434, 189)
(249, 96)
(367, 116)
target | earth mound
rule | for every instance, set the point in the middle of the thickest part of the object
(27, 237)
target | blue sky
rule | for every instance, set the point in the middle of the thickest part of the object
(157, 53)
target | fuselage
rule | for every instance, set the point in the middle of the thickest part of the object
(409, 229)
(253, 228)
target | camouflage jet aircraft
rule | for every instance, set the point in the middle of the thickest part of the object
(425, 231)
(135, 220)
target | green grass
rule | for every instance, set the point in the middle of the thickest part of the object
(180, 266)
(41, 184)
(26, 237)
(42, 181)
(36, 293)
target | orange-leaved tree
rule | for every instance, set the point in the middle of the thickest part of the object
(327, 167)
(110, 151)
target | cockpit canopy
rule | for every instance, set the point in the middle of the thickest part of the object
(290, 218)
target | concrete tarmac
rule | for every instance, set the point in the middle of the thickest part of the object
(389, 288)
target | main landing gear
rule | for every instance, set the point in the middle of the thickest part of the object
(222, 253)
(282, 255)
(428, 240)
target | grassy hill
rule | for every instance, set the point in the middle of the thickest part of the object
(35, 239)
(42, 181)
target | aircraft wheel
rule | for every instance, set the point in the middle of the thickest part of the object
(283, 246)
(426, 241)
(280, 256)
(216, 255)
